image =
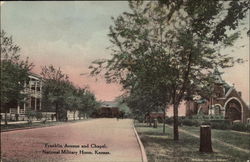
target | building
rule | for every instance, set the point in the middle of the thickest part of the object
(33, 90)
(225, 101)
(108, 109)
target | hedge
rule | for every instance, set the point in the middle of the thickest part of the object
(190, 122)
(239, 127)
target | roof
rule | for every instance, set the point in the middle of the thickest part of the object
(109, 104)
(217, 76)
(35, 75)
(219, 80)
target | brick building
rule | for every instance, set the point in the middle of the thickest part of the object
(225, 101)
(108, 109)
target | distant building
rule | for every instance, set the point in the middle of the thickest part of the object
(226, 101)
(108, 109)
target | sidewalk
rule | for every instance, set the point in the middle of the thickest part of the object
(23, 122)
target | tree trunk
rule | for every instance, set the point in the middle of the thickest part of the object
(74, 115)
(176, 132)
(5, 117)
(57, 114)
(164, 120)
(155, 123)
(205, 139)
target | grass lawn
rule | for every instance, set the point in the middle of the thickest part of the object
(238, 139)
(36, 124)
(162, 148)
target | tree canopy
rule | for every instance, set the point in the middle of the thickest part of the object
(14, 71)
(60, 95)
(171, 46)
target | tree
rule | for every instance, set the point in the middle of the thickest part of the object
(172, 47)
(14, 73)
(56, 90)
(83, 100)
(88, 102)
(60, 95)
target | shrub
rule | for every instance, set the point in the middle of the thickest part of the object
(190, 122)
(239, 127)
(180, 121)
(38, 115)
(169, 120)
(139, 119)
(29, 122)
(206, 123)
(248, 127)
(218, 124)
(44, 121)
(160, 119)
(222, 126)
(31, 114)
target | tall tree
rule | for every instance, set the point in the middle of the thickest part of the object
(172, 47)
(88, 102)
(56, 90)
(14, 73)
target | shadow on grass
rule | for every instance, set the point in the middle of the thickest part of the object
(161, 147)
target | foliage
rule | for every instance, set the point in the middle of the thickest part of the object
(248, 127)
(31, 114)
(88, 102)
(14, 72)
(60, 95)
(190, 122)
(29, 122)
(169, 49)
(169, 120)
(123, 106)
(38, 115)
(220, 125)
(56, 90)
(239, 127)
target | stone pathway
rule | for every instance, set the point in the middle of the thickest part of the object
(107, 140)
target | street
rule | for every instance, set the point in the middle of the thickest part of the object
(93, 140)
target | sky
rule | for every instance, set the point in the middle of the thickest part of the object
(71, 35)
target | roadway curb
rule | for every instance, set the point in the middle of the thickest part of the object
(143, 153)
(34, 127)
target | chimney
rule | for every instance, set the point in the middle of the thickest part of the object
(239, 92)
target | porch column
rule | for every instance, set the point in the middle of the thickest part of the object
(18, 109)
(40, 104)
(35, 102)
(35, 95)
(40, 95)
(30, 83)
(24, 107)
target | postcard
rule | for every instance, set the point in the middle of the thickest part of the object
(125, 81)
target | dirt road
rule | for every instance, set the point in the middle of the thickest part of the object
(93, 140)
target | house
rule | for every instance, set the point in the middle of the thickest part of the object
(225, 101)
(33, 90)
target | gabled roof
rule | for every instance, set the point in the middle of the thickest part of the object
(34, 75)
(219, 80)
(217, 76)
(109, 104)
